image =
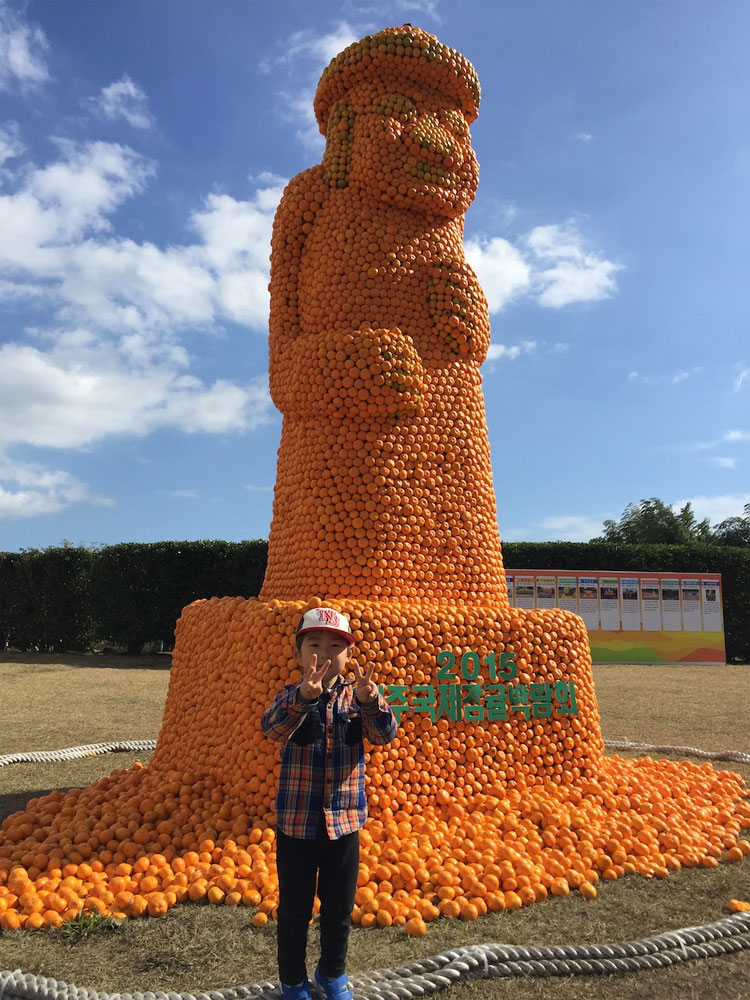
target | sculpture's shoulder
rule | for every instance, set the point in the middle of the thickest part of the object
(303, 196)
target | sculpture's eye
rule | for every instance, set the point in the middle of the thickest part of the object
(395, 106)
(455, 122)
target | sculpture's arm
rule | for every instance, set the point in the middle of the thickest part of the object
(457, 303)
(294, 218)
(329, 372)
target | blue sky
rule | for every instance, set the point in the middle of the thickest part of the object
(144, 145)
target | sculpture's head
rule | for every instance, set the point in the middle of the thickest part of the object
(395, 108)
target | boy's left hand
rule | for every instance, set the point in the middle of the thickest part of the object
(366, 689)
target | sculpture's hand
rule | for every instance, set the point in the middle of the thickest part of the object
(458, 308)
(367, 373)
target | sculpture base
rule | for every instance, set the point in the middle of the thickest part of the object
(489, 699)
(470, 811)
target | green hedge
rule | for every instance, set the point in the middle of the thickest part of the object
(67, 598)
(45, 599)
(129, 595)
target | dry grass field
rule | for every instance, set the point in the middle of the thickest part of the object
(52, 702)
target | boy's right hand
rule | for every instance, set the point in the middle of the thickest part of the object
(311, 687)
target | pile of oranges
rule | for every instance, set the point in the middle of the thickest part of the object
(384, 509)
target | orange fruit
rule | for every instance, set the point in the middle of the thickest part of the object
(415, 927)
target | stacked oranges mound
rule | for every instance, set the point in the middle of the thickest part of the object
(496, 792)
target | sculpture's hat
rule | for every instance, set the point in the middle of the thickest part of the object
(398, 54)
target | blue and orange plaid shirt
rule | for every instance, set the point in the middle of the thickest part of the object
(323, 757)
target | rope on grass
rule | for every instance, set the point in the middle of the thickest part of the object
(72, 753)
(94, 749)
(734, 755)
(430, 975)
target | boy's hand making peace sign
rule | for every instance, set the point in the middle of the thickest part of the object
(311, 687)
(366, 689)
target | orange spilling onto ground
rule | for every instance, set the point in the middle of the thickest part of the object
(496, 792)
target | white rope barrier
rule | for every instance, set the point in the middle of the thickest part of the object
(430, 975)
(73, 753)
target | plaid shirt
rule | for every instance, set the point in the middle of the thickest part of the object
(323, 757)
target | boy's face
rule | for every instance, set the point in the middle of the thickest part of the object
(325, 645)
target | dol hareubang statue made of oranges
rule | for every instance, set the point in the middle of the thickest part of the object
(384, 504)
(378, 328)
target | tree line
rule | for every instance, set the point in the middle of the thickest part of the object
(655, 522)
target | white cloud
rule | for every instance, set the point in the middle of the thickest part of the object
(571, 527)
(186, 494)
(136, 289)
(236, 236)
(564, 271)
(22, 49)
(728, 437)
(550, 265)
(11, 144)
(428, 7)
(742, 377)
(715, 508)
(107, 358)
(59, 247)
(267, 179)
(299, 109)
(669, 378)
(55, 206)
(683, 374)
(526, 348)
(500, 267)
(559, 527)
(724, 462)
(392, 11)
(27, 490)
(497, 351)
(123, 99)
(86, 184)
(83, 391)
(305, 54)
(583, 136)
(309, 47)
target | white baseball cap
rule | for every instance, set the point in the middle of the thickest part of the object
(325, 618)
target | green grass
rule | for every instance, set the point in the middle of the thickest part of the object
(86, 925)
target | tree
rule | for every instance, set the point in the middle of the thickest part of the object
(653, 521)
(734, 530)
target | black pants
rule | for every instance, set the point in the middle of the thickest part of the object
(336, 865)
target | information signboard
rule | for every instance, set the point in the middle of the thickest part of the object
(633, 617)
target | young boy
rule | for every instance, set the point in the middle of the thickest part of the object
(321, 804)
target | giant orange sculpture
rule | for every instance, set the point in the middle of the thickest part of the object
(496, 791)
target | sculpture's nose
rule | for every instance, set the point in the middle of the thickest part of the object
(429, 134)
